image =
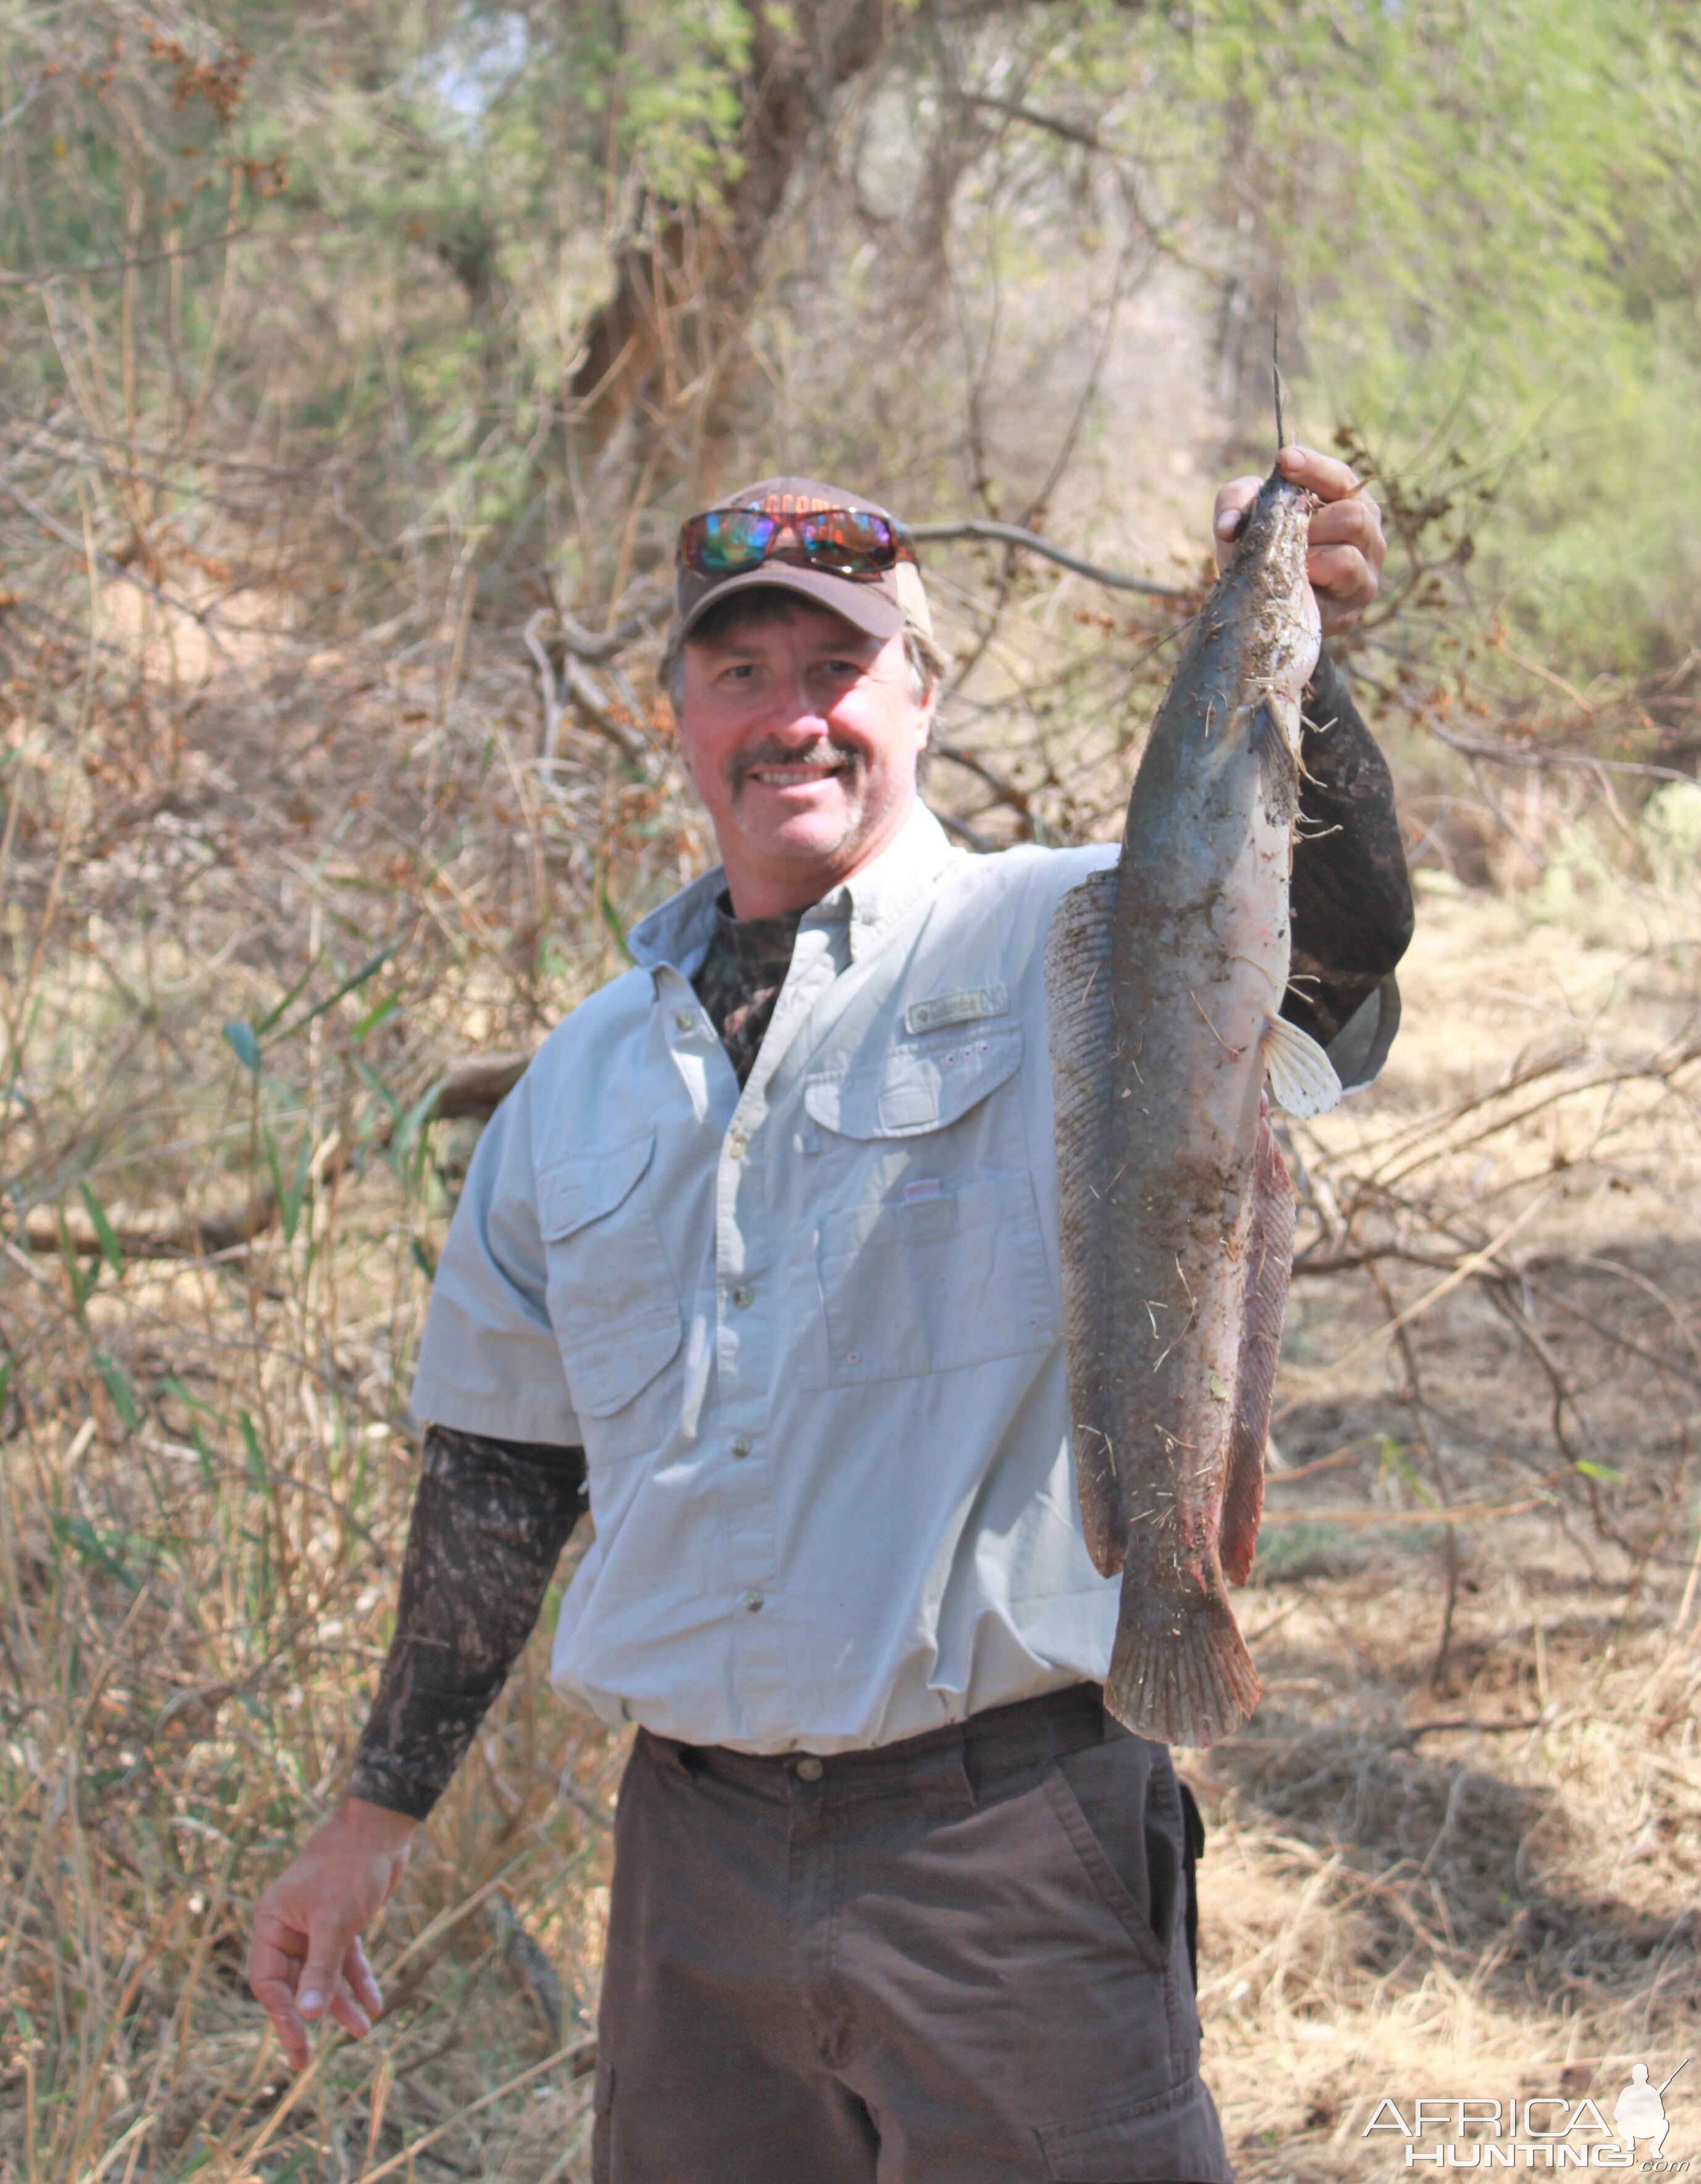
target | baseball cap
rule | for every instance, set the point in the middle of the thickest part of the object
(880, 606)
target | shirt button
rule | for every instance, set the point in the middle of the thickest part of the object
(742, 1297)
(810, 1770)
(752, 1601)
(684, 1019)
(741, 1444)
(736, 1144)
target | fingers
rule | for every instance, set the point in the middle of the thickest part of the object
(1355, 523)
(328, 1944)
(1323, 475)
(1232, 502)
(275, 1957)
(1345, 584)
(344, 2010)
(357, 1971)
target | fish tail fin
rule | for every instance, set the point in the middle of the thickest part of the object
(1180, 1672)
(1302, 1077)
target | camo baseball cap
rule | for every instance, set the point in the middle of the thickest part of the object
(880, 606)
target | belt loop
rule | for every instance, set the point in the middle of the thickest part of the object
(939, 1779)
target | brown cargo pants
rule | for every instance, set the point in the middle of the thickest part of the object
(961, 1959)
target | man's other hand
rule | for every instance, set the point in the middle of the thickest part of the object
(305, 1959)
(1345, 562)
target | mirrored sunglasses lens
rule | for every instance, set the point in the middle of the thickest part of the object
(846, 539)
(721, 542)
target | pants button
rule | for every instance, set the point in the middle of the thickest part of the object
(810, 1770)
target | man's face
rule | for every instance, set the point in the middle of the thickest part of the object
(802, 737)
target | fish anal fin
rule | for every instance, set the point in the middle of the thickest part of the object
(1270, 1263)
(1082, 1036)
(1302, 1077)
(1180, 1672)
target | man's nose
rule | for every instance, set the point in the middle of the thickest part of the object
(793, 714)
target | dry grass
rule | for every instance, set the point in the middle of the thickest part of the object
(206, 1466)
(1460, 1853)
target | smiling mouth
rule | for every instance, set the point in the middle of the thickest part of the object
(792, 777)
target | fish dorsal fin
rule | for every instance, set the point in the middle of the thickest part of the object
(1081, 1033)
(1302, 1077)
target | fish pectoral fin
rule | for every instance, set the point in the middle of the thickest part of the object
(1302, 1077)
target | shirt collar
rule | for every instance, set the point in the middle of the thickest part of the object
(678, 932)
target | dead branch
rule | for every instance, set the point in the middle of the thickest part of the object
(1013, 534)
(576, 684)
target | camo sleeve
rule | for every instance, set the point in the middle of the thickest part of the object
(1351, 900)
(490, 1520)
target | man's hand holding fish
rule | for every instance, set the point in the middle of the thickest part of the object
(1343, 561)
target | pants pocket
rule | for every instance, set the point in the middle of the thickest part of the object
(1100, 1796)
(1172, 2141)
(1194, 1826)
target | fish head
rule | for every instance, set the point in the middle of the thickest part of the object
(1268, 570)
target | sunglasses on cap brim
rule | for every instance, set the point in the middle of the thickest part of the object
(839, 542)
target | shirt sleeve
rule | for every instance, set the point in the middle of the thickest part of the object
(488, 1359)
(1351, 900)
(489, 1522)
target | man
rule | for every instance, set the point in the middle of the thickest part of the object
(766, 1240)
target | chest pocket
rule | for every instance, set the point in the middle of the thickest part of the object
(610, 1294)
(938, 1262)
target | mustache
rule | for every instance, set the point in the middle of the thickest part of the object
(824, 757)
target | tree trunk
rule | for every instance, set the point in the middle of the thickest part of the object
(665, 351)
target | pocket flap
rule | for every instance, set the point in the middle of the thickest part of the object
(912, 1089)
(584, 1186)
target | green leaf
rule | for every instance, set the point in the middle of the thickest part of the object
(385, 1009)
(119, 1388)
(171, 1385)
(104, 1233)
(1600, 1471)
(409, 1129)
(611, 918)
(258, 1477)
(291, 1194)
(369, 1078)
(422, 1258)
(266, 1021)
(93, 1552)
(349, 986)
(243, 1044)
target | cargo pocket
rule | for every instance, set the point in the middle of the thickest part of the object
(1177, 2141)
(610, 1292)
(942, 1264)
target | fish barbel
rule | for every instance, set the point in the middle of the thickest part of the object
(1165, 978)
